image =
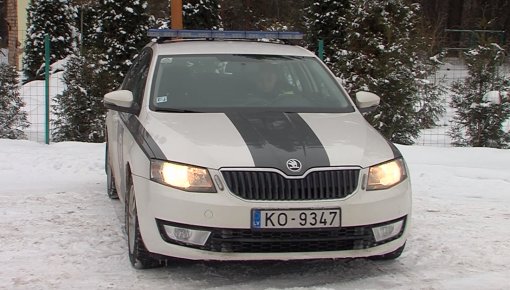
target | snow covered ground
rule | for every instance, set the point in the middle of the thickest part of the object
(58, 229)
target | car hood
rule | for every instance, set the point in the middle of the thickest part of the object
(268, 140)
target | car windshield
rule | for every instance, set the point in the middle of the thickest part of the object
(219, 83)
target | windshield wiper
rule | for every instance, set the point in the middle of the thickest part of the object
(171, 110)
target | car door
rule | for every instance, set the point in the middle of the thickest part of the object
(118, 133)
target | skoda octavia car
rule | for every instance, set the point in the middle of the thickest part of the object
(239, 149)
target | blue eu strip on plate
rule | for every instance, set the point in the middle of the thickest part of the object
(255, 222)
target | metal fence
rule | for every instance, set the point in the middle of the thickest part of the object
(453, 70)
(34, 95)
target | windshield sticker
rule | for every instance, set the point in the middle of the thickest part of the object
(167, 60)
(162, 99)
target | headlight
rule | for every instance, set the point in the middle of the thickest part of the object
(181, 176)
(386, 175)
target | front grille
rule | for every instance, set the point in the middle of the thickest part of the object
(267, 185)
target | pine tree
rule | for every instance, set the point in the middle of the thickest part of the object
(238, 15)
(52, 17)
(121, 31)
(326, 20)
(201, 14)
(79, 110)
(379, 50)
(482, 101)
(430, 98)
(262, 15)
(86, 20)
(12, 117)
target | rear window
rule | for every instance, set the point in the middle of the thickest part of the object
(218, 83)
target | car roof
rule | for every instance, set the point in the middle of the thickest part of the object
(227, 47)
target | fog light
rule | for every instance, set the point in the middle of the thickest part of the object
(387, 231)
(189, 236)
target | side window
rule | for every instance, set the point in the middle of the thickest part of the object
(137, 75)
(131, 74)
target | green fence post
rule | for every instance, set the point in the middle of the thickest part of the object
(47, 86)
(321, 49)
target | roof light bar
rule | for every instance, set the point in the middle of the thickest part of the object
(218, 34)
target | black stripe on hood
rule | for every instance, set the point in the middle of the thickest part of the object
(142, 137)
(275, 137)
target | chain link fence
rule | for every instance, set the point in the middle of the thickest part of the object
(452, 70)
(33, 93)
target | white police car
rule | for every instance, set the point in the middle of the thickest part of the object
(228, 149)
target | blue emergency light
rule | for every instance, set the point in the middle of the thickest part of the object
(219, 34)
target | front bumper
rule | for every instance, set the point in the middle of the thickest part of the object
(282, 241)
(227, 217)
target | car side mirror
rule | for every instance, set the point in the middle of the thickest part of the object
(366, 101)
(121, 100)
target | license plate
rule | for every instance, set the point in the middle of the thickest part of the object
(295, 218)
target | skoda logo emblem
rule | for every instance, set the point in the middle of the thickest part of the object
(294, 165)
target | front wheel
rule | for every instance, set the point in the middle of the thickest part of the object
(139, 256)
(110, 181)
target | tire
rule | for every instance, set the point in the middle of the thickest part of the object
(110, 181)
(389, 256)
(139, 256)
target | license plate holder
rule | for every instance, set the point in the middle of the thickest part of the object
(310, 218)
